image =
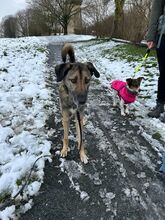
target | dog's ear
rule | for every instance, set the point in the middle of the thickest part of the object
(93, 70)
(61, 70)
(129, 81)
(140, 79)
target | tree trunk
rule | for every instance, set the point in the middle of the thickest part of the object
(65, 29)
(118, 19)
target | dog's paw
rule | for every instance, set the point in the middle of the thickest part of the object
(64, 152)
(84, 121)
(84, 157)
(114, 104)
(123, 114)
(127, 112)
(78, 146)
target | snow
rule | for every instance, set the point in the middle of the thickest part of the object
(22, 116)
(107, 199)
(23, 95)
(60, 39)
(7, 214)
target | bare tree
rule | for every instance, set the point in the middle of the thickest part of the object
(10, 26)
(23, 23)
(66, 9)
(1, 29)
(136, 18)
(60, 11)
(94, 14)
(40, 22)
(42, 15)
(118, 18)
(143, 7)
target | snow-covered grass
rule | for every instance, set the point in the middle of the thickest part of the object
(117, 60)
(22, 117)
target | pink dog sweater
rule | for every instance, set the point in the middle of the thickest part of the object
(123, 92)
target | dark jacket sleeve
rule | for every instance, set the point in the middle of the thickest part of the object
(156, 11)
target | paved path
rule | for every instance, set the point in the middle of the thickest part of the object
(120, 181)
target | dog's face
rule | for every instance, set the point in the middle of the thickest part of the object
(76, 77)
(134, 84)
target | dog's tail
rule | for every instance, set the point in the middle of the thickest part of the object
(68, 50)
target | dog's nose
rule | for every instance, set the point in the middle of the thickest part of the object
(82, 99)
(81, 103)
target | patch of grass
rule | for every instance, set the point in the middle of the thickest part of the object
(4, 70)
(34, 178)
(4, 53)
(133, 110)
(4, 196)
(41, 49)
(128, 52)
(22, 180)
(144, 96)
(140, 116)
(94, 42)
(24, 48)
(46, 106)
(98, 41)
(97, 81)
(108, 78)
(19, 181)
(157, 136)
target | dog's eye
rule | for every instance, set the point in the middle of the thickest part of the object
(73, 80)
(87, 80)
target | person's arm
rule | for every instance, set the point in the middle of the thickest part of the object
(157, 10)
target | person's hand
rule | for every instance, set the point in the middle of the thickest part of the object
(150, 44)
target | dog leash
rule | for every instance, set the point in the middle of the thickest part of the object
(11, 201)
(143, 61)
(78, 118)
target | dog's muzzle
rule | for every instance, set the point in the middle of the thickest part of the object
(80, 99)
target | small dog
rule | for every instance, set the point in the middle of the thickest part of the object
(126, 91)
(74, 80)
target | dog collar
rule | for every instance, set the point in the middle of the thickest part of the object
(131, 92)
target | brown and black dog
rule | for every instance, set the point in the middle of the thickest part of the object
(74, 80)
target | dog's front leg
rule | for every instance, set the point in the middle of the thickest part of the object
(127, 109)
(65, 121)
(122, 107)
(115, 93)
(83, 155)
